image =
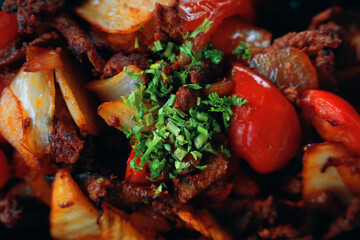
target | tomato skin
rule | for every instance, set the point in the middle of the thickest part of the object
(193, 13)
(266, 130)
(333, 117)
(8, 28)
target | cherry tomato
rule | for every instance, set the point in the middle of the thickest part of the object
(5, 170)
(8, 28)
(193, 12)
(235, 29)
(333, 117)
(266, 130)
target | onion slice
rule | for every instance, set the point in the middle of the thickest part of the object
(36, 93)
(11, 125)
(121, 16)
(114, 88)
(72, 215)
(41, 59)
(315, 180)
(118, 114)
(80, 103)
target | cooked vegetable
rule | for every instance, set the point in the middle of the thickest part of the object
(120, 16)
(41, 59)
(202, 221)
(80, 103)
(235, 30)
(333, 117)
(11, 124)
(193, 12)
(266, 130)
(72, 215)
(118, 86)
(117, 225)
(285, 68)
(36, 93)
(118, 114)
(316, 179)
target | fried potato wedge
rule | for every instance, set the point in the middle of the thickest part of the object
(79, 102)
(202, 221)
(117, 225)
(118, 114)
(72, 215)
(316, 180)
(116, 87)
(121, 16)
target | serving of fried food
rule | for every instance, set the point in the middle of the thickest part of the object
(179, 119)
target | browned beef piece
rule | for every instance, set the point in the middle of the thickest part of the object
(117, 63)
(98, 188)
(264, 210)
(79, 42)
(202, 75)
(19, 212)
(186, 98)
(188, 186)
(32, 15)
(346, 222)
(310, 41)
(280, 231)
(65, 143)
(128, 194)
(168, 24)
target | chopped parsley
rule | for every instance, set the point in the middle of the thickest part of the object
(178, 140)
(205, 26)
(242, 51)
(136, 45)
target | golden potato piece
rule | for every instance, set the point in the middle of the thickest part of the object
(117, 225)
(120, 16)
(79, 102)
(202, 221)
(315, 180)
(116, 87)
(72, 215)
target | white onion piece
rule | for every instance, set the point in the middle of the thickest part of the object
(112, 89)
(121, 16)
(79, 102)
(11, 125)
(36, 93)
(117, 114)
(315, 181)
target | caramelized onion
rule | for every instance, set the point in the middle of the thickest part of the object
(41, 59)
(118, 114)
(285, 68)
(79, 102)
(36, 93)
(112, 89)
(316, 179)
(121, 16)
